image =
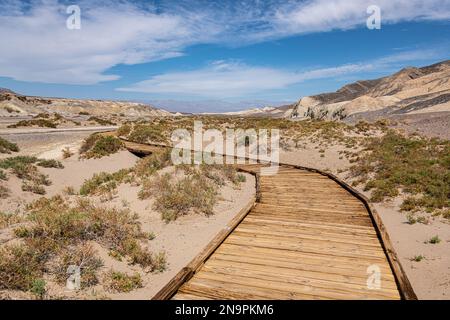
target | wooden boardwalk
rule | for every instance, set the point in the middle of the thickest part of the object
(306, 237)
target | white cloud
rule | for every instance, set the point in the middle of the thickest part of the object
(36, 46)
(326, 15)
(225, 79)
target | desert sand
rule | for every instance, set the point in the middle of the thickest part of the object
(181, 240)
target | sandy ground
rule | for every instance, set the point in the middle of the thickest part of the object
(181, 240)
(430, 277)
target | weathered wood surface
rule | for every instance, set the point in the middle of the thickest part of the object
(309, 236)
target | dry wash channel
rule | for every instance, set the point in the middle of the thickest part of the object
(308, 236)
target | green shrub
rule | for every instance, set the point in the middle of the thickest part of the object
(98, 146)
(103, 182)
(116, 281)
(20, 266)
(50, 163)
(7, 147)
(38, 288)
(147, 133)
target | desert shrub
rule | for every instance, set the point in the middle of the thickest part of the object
(98, 146)
(124, 130)
(33, 187)
(419, 166)
(67, 153)
(103, 182)
(24, 167)
(45, 123)
(7, 147)
(38, 288)
(102, 122)
(116, 281)
(193, 193)
(3, 175)
(59, 225)
(83, 256)
(50, 163)
(7, 219)
(20, 266)
(4, 192)
(142, 133)
(152, 163)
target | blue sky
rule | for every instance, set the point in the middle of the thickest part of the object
(270, 50)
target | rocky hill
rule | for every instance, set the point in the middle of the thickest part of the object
(13, 104)
(409, 91)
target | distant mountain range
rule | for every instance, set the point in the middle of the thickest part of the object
(213, 106)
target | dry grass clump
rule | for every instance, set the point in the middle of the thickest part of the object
(25, 168)
(7, 147)
(67, 153)
(418, 166)
(115, 281)
(98, 146)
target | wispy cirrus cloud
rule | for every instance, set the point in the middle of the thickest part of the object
(36, 46)
(228, 79)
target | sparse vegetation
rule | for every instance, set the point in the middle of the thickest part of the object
(98, 146)
(58, 234)
(418, 258)
(7, 147)
(104, 182)
(25, 168)
(419, 166)
(434, 240)
(83, 256)
(4, 192)
(67, 153)
(143, 133)
(116, 281)
(102, 122)
(8, 219)
(38, 288)
(45, 123)
(196, 192)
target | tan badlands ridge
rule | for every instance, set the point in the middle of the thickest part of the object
(409, 91)
(13, 104)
